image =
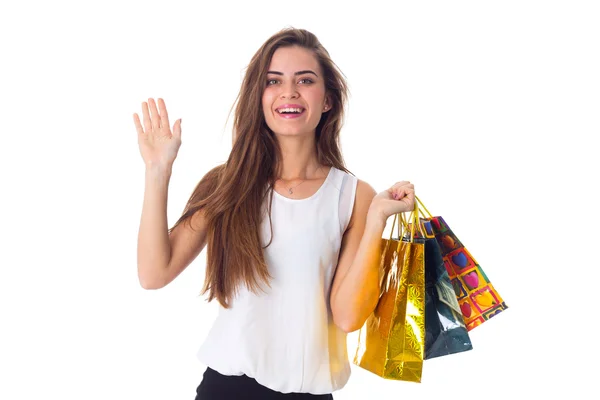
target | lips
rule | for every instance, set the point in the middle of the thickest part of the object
(289, 105)
(290, 109)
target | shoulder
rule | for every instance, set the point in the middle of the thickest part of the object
(364, 190)
(364, 195)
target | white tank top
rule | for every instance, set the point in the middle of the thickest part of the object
(285, 338)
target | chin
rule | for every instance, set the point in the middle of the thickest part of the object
(290, 132)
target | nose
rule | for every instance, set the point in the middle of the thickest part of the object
(289, 91)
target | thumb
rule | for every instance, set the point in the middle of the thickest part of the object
(177, 128)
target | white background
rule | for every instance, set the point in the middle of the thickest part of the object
(490, 108)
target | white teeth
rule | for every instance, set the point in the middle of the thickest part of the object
(290, 110)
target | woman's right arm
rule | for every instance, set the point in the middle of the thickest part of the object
(162, 257)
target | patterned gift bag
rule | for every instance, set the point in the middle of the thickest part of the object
(445, 329)
(477, 297)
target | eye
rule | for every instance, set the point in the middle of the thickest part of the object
(271, 82)
(307, 80)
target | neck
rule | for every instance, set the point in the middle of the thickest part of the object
(299, 158)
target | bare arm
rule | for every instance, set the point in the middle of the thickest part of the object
(355, 290)
(154, 249)
(162, 257)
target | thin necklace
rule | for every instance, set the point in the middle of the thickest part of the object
(290, 190)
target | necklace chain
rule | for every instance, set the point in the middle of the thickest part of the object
(290, 190)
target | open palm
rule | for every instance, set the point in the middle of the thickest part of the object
(158, 144)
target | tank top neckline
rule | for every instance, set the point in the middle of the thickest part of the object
(313, 195)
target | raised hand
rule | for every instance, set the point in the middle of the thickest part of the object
(158, 145)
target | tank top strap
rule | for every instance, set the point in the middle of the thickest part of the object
(346, 185)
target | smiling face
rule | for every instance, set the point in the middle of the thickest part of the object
(294, 96)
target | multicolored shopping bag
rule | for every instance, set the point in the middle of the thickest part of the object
(478, 299)
(391, 342)
(445, 330)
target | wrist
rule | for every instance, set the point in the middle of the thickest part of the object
(160, 174)
(376, 219)
(158, 168)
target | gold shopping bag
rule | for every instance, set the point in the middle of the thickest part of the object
(391, 342)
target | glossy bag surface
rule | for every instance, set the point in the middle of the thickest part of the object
(391, 342)
(445, 330)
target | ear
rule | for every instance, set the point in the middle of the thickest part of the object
(328, 102)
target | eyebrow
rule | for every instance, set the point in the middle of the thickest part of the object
(307, 71)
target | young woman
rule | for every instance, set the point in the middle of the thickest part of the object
(293, 239)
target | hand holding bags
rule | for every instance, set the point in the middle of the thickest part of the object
(391, 342)
(432, 292)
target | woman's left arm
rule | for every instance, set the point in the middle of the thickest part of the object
(355, 289)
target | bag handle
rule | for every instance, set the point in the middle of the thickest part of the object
(394, 224)
(422, 207)
(413, 217)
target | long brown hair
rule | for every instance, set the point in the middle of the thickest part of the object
(232, 195)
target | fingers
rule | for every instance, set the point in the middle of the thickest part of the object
(164, 116)
(154, 115)
(138, 125)
(402, 189)
(402, 193)
(177, 128)
(147, 121)
(401, 183)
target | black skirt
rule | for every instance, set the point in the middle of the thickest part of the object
(215, 386)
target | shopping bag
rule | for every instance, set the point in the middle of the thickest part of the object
(391, 342)
(477, 298)
(445, 329)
